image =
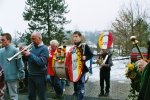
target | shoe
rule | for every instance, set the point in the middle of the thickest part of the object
(21, 89)
(74, 94)
(106, 94)
(58, 97)
(101, 94)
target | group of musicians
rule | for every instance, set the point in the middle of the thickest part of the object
(40, 61)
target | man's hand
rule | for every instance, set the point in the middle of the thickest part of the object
(84, 57)
(104, 65)
(26, 53)
(21, 80)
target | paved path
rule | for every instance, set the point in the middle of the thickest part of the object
(119, 88)
(118, 91)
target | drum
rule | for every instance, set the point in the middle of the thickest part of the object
(60, 69)
(59, 63)
(74, 64)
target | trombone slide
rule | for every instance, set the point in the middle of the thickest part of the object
(104, 61)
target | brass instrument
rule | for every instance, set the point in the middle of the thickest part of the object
(18, 53)
(101, 60)
(135, 42)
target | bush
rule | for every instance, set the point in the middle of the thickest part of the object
(135, 77)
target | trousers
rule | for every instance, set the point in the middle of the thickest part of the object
(79, 87)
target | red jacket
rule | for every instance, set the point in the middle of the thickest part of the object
(51, 60)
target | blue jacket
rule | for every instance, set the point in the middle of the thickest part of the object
(37, 60)
(14, 69)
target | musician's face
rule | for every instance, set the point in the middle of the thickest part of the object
(4, 41)
(76, 38)
(53, 46)
(103, 51)
(35, 39)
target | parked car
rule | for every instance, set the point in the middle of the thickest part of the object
(135, 55)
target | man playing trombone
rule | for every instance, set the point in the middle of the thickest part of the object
(12, 70)
(105, 67)
(37, 59)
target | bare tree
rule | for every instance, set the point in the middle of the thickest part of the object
(131, 21)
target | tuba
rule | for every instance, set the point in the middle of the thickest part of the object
(18, 53)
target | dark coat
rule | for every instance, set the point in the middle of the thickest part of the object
(108, 61)
(145, 84)
(85, 49)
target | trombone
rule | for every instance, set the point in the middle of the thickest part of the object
(101, 60)
(18, 53)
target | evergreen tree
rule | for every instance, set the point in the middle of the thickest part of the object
(46, 16)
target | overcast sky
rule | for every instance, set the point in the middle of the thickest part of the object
(86, 15)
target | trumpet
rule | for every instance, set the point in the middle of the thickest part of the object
(18, 53)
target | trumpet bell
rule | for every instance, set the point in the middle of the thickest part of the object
(9, 59)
